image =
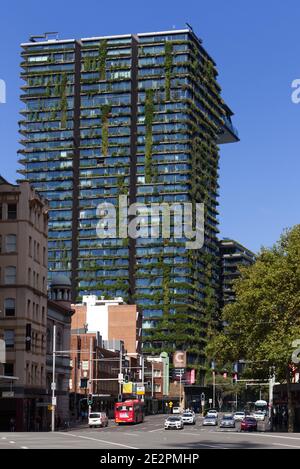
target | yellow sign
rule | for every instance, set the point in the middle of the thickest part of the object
(171, 404)
(50, 408)
(127, 388)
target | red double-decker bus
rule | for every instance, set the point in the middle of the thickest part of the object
(131, 411)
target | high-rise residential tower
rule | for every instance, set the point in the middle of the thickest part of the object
(233, 255)
(139, 116)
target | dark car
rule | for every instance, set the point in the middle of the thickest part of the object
(249, 424)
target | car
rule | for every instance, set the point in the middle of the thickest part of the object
(174, 423)
(239, 416)
(259, 415)
(188, 418)
(249, 424)
(227, 421)
(176, 410)
(98, 419)
(210, 420)
(212, 413)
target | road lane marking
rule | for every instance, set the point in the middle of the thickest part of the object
(258, 435)
(12, 442)
(99, 441)
(4, 438)
(157, 430)
(287, 446)
(24, 447)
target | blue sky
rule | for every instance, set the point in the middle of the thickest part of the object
(256, 47)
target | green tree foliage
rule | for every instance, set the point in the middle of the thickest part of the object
(149, 111)
(265, 319)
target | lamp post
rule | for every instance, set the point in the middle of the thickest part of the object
(53, 385)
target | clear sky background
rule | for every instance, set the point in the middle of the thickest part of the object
(256, 46)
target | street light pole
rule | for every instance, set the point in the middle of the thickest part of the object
(214, 389)
(120, 372)
(53, 381)
(152, 379)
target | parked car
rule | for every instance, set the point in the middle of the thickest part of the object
(212, 413)
(188, 418)
(239, 416)
(98, 419)
(210, 420)
(227, 421)
(176, 410)
(249, 424)
(259, 415)
(174, 423)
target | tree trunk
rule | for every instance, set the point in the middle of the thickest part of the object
(291, 410)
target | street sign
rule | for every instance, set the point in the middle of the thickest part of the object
(120, 378)
(210, 401)
(54, 401)
(203, 397)
(8, 394)
(140, 390)
(50, 408)
(53, 386)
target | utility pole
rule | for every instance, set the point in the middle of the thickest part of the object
(152, 379)
(120, 371)
(91, 372)
(214, 388)
(271, 391)
(53, 386)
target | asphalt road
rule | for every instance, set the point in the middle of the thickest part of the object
(149, 435)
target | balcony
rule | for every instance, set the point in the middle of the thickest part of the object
(228, 133)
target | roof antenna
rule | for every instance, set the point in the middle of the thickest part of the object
(189, 26)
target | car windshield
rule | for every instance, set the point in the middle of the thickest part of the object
(173, 419)
(210, 417)
(227, 417)
(249, 419)
(239, 413)
(95, 416)
(187, 414)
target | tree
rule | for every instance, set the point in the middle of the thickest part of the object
(261, 325)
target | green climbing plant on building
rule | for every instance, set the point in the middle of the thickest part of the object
(168, 67)
(102, 59)
(105, 111)
(149, 112)
(63, 100)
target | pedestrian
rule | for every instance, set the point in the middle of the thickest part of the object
(12, 424)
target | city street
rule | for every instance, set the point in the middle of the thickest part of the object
(149, 435)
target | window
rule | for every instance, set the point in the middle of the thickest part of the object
(8, 369)
(1, 211)
(10, 307)
(11, 243)
(30, 246)
(10, 275)
(9, 338)
(11, 211)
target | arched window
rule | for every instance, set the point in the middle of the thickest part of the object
(48, 340)
(58, 340)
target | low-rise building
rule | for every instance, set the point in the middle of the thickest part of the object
(23, 304)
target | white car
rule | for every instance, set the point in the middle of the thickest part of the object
(212, 413)
(174, 423)
(259, 415)
(188, 418)
(239, 416)
(176, 410)
(98, 419)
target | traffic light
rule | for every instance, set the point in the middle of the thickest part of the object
(90, 399)
(126, 379)
(234, 378)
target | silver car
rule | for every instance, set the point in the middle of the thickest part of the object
(210, 420)
(227, 421)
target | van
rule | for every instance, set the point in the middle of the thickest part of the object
(98, 419)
